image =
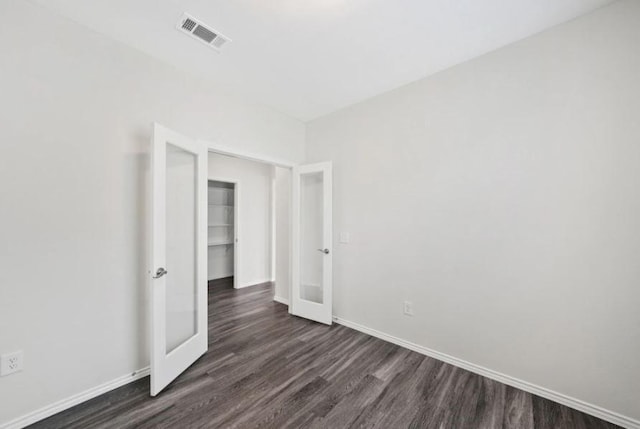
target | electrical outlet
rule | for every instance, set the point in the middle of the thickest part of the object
(408, 308)
(10, 363)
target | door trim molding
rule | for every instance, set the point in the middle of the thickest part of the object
(73, 400)
(251, 156)
(577, 404)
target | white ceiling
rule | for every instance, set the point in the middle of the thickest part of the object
(311, 57)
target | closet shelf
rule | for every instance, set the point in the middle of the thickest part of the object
(219, 243)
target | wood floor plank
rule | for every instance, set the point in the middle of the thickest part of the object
(518, 409)
(268, 369)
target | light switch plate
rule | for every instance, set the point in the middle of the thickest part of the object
(345, 237)
(408, 308)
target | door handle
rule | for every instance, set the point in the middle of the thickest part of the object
(160, 272)
(325, 251)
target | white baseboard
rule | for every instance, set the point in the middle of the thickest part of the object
(71, 401)
(610, 416)
(281, 300)
(253, 283)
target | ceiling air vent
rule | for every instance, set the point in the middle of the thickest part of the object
(202, 32)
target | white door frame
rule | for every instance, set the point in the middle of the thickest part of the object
(236, 224)
(213, 147)
(251, 156)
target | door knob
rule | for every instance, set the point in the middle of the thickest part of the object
(160, 272)
(325, 251)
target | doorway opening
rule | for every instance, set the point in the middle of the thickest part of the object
(242, 217)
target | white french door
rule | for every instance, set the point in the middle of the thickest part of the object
(312, 242)
(179, 258)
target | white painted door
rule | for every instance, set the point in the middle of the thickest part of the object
(179, 258)
(312, 242)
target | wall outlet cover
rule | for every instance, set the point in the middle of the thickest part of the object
(11, 362)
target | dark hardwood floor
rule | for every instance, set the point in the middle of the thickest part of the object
(268, 369)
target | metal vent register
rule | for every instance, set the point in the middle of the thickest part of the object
(202, 32)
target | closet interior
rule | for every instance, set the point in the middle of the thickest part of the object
(221, 229)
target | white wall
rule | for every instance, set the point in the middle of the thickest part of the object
(75, 115)
(253, 249)
(501, 198)
(283, 236)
